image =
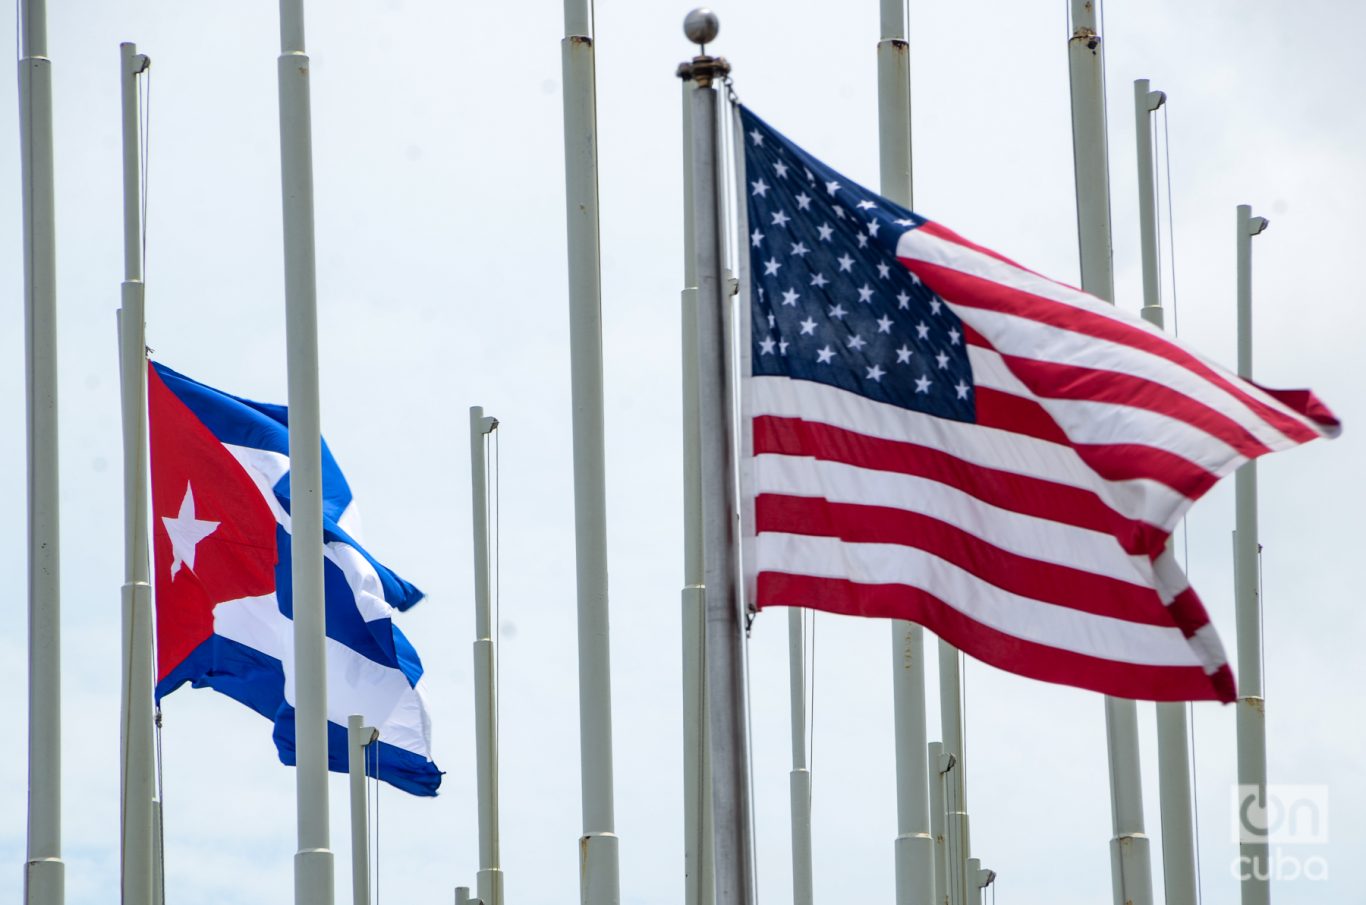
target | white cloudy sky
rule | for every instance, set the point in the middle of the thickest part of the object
(441, 264)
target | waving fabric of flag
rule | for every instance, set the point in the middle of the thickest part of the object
(943, 436)
(221, 539)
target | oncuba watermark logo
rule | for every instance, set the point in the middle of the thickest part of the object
(1284, 816)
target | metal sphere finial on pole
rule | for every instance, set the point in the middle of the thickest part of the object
(701, 26)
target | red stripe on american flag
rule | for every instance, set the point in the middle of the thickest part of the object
(1061, 585)
(1015, 492)
(1055, 380)
(1114, 462)
(1027, 658)
(971, 291)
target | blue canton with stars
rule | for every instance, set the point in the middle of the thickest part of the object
(830, 301)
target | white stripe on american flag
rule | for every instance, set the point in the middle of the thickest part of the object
(1021, 617)
(1140, 499)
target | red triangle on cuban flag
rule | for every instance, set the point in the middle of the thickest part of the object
(213, 535)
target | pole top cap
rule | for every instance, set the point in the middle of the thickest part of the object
(701, 26)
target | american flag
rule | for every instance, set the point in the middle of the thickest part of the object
(943, 436)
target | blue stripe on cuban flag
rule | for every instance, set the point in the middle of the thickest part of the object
(372, 669)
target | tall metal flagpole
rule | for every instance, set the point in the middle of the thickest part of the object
(728, 723)
(313, 873)
(359, 737)
(1173, 733)
(800, 780)
(957, 839)
(1253, 849)
(1129, 858)
(490, 877)
(699, 884)
(914, 849)
(137, 774)
(599, 880)
(44, 873)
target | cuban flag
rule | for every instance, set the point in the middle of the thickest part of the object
(221, 540)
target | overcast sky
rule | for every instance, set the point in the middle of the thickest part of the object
(441, 273)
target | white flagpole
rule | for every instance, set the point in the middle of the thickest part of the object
(138, 773)
(1254, 854)
(489, 882)
(313, 873)
(914, 847)
(957, 838)
(600, 882)
(724, 644)
(800, 780)
(699, 884)
(44, 872)
(1173, 733)
(1129, 857)
(359, 737)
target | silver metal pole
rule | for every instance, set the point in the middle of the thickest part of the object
(729, 742)
(957, 838)
(1173, 733)
(1254, 852)
(138, 774)
(800, 782)
(313, 873)
(359, 737)
(1129, 857)
(699, 881)
(914, 846)
(490, 877)
(44, 873)
(600, 882)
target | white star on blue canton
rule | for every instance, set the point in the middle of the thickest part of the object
(800, 250)
(867, 205)
(884, 271)
(824, 355)
(839, 211)
(781, 169)
(819, 280)
(935, 305)
(903, 300)
(837, 311)
(857, 342)
(862, 240)
(865, 293)
(803, 202)
(943, 360)
(808, 327)
(923, 330)
(903, 355)
(790, 298)
(757, 137)
(962, 389)
(845, 262)
(771, 267)
(832, 187)
(780, 219)
(875, 373)
(766, 346)
(826, 230)
(782, 346)
(872, 227)
(923, 384)
(884, 324)
(760, 188)
(954, 335)
(756, 237)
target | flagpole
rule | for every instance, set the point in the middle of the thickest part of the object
(138, 774)
(800, 779)
(957, 838)
(1130, 864)
(724, 644)
(359, 737)
(600, 882)
(914, 846)
(1173, 732)
(313, 872)
(44, 872)
(699, 884)
(1254, 854)
(489, 883)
